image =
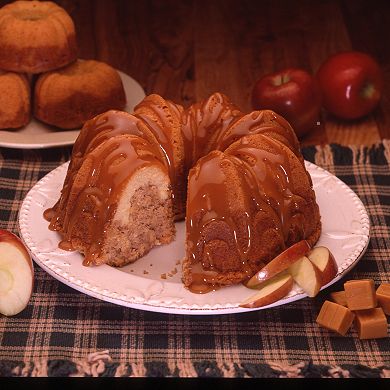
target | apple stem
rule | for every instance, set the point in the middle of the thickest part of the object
(368, 90)
(281, 79)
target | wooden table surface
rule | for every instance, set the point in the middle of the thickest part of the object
(185, 50)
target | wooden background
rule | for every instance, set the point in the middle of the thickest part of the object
(185, 50)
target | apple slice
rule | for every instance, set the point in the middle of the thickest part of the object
(16, 274)
(306, 275)
(325, 262)
(279, 264)
(271, 291)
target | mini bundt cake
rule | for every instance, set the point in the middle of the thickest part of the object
(14, 100)
(69, 96)
(240, 179)
(35, 37)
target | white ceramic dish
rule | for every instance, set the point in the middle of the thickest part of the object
(345, 231)
(37, 135)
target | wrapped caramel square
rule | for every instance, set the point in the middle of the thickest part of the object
(360, 294)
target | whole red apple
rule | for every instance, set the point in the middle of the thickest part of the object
(292, 93)
(351, 84)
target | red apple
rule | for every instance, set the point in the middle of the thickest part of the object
(16, 274)
(292, 93)
(351, 84)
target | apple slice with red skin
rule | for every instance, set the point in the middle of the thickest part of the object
(325, 262)
(306, 275)
(16, 274)
(270, 291)
(279, 264)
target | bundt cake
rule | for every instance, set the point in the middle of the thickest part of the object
(239, 179)
(35, 37)
(14, 100)
(69, 96)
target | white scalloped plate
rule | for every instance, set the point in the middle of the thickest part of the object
(38, 135)
(142, 286)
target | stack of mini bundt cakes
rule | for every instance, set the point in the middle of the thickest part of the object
(40, 70)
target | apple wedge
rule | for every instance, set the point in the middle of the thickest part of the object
(325, 262)
(271, 291)
(16, 274)
(279, 264)
(306, 275)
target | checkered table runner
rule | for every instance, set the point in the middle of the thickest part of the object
(65, 333)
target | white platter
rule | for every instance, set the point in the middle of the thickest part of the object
(140, 285)
(38, 135)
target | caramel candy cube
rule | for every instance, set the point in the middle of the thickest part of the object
(360, 294)
(335, 317)
(383, 296)
(339, 297)
(371, 323)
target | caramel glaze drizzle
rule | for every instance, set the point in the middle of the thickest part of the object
(201, 121)
(258, 122)
(114, 123)
(160, 128)
(109, 167)
(209, 203)
(102, 127)
(94, 132)
(267, 177)
(106, 126)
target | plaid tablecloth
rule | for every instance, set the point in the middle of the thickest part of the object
(65, 333)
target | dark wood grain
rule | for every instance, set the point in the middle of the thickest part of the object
(186, 50)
